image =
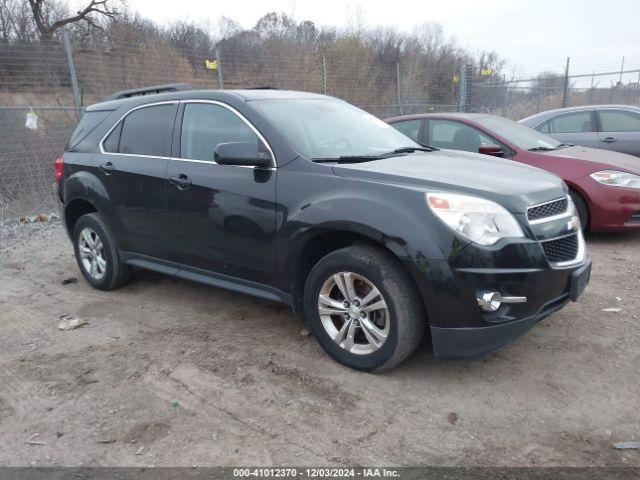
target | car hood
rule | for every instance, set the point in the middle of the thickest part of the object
(513, 185)
(597, 156)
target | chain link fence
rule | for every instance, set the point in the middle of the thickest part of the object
(53, 81)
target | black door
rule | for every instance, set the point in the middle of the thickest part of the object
(223, 217)
(133, 169)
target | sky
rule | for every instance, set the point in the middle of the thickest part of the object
(533, 35)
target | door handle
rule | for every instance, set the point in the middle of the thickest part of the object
(107, 168)
(609, 140)
(182, 182)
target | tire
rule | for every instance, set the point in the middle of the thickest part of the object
(110, 272)
(581, 207)
(403, 320)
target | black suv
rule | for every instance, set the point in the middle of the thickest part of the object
(307, 200)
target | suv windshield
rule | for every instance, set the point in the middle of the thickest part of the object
(322, 128)
(521, 136)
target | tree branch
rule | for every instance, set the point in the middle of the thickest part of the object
(98, 7)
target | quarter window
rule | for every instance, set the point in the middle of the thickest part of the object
(577, 122)
(112, 142)
(146, 131)
(411, 128)
(89, 122)
(619, 121)
(205, 125)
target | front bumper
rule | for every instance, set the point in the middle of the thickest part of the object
(516, 268)
(613, 209)
(504, 327)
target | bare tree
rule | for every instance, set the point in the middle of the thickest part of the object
(50, 15)
(15, 21)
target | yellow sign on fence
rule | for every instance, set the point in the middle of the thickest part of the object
(211, 64)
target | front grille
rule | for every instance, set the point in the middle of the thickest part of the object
(550, 209)
(562, 249)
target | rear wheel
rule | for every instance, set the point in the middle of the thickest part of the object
(97, 255)
(363, 308)
(581, 207)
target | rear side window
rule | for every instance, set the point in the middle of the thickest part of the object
(578, 122)
(411, 128)
(619, 121)
(88, 123)
(205, 125)
(145, 131)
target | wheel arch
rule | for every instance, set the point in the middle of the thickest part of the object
(585, 198)
(321, 243)
(83, 192)
(75, 209)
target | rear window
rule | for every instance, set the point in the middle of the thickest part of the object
(146, 131)
(88, 123)
(619, 121)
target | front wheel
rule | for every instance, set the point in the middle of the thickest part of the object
(581, 207)
(363, 308)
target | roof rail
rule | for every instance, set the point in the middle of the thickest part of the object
(153, 90)
(263, 87)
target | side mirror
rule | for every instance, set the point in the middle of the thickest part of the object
(241, 153)
(494, 150)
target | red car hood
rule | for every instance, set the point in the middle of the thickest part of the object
(614, 159)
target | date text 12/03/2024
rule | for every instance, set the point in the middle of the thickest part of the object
(316, 472)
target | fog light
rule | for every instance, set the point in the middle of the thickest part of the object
(490, 301)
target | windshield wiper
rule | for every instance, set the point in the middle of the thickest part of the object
(542, 149)
(423, 148)
(351, 158)
(565, 145)
(368, 158)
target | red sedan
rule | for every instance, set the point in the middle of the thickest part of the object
(604, 185)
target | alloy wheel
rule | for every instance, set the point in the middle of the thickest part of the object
(354, 313)
(91, 252)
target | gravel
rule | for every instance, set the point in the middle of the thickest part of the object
(169, 372)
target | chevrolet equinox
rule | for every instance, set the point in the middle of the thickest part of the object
(307, 200)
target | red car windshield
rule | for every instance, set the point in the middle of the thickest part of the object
(521, 136)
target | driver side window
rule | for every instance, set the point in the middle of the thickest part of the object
(577, 122)
(454, 135)
(206, 125)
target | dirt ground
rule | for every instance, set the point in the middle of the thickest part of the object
(169, 372)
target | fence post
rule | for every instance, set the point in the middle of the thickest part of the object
(565, 90)
(324, 75)
(398, 88)
(505, 96)
(72, 72)
(219, 65)
(463, 89)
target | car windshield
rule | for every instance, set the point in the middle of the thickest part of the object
(326, 128)
(521, 136)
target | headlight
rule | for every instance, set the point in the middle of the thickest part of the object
(477, 219)
(617, 179)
